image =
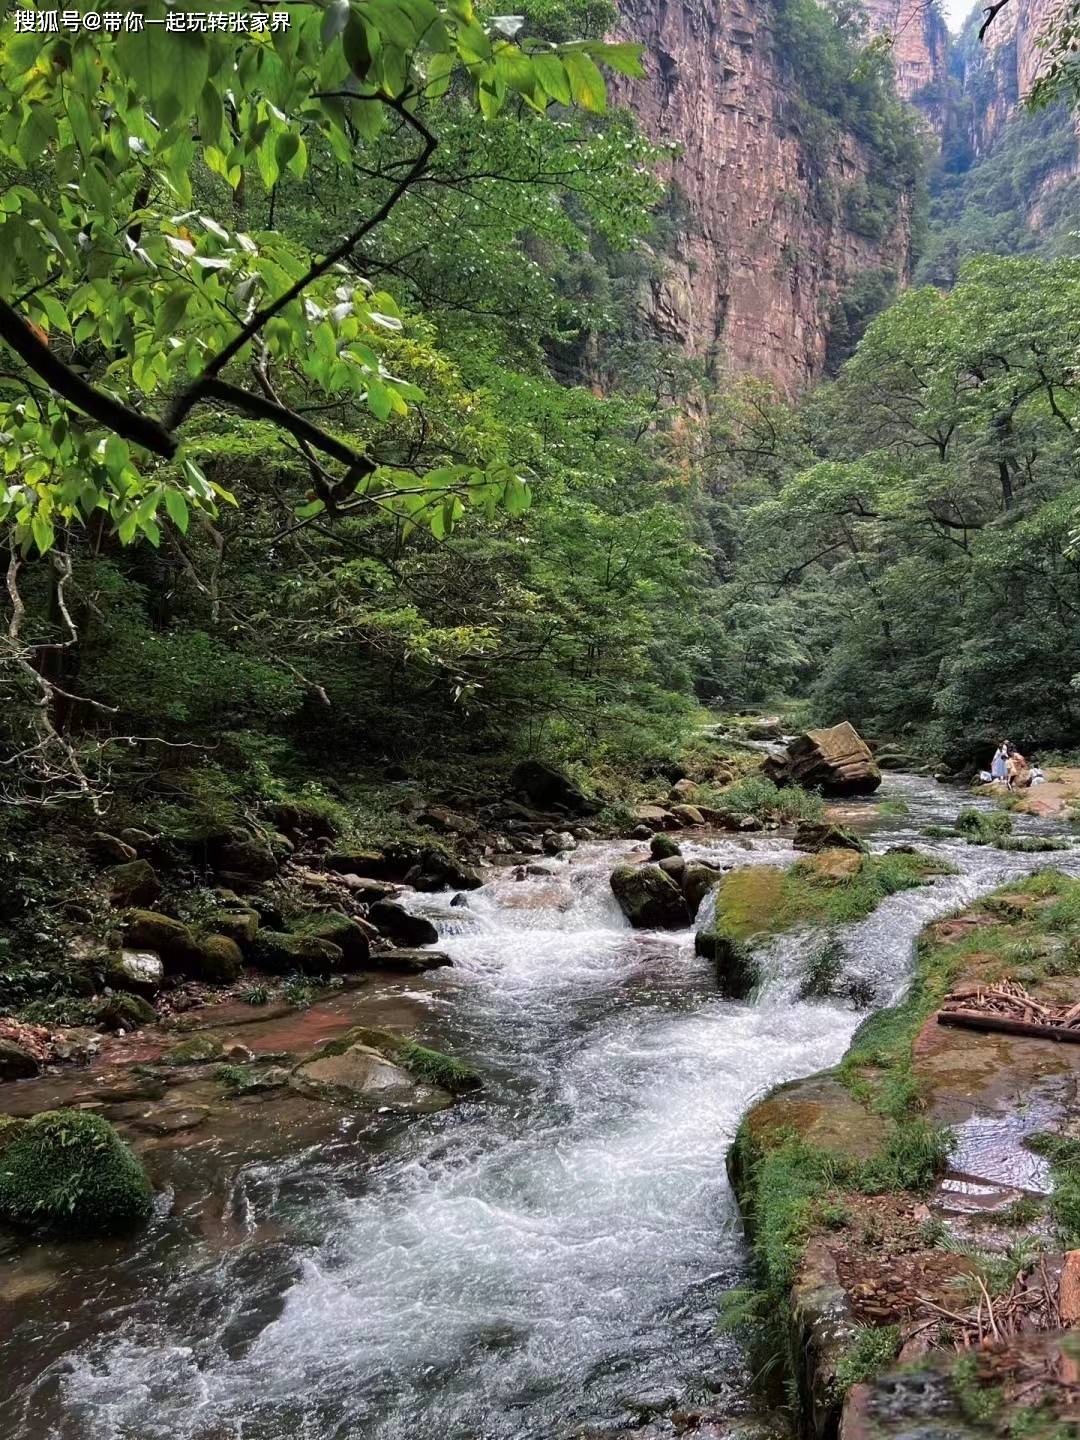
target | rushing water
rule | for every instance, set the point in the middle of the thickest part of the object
(540, 1261)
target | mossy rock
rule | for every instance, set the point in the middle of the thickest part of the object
(125, 1012)
(68, 1170)
(239, 925)
(650, 899)
(432, 1067)
(196, 1050)
(663, 847)
(134, 883)
(281, 952)
(737, 972)
(179, 949)
(338, 929)
(221, 960)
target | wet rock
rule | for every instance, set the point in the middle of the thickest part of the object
(663, 847)
(281, 952)
(133, 883)
(220, 960)
(397, 922)
(111, 848)
(641, 832)
(432, 1067)
(178, 948)
(836, 761)
(675, 866)
(435, 871)
(409, 962)
(245, 860)
(768, 727)
(697, 880)
(68, 1170)
(79, 1045)
(459, 902)
(547, 786)
(139, 840)
(16, 1062)
(342, 931)
(556, 841)
(649, 899)
(195, 1050)
(736, 969)
(170, 1120)
(125, 1012)
(820, 835)
(138, 971)
(360, 1075)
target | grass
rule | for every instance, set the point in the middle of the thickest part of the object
(981, 828)
(757, 796)
(893, 807)
(874, 1348)
(255, 995)
(433, 1067)
(297, 992)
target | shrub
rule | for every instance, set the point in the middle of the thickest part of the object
(68, 1170)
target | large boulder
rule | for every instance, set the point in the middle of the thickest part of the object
(402, 926)
(550, 788)
(836, 761)
(239, 925)
(220, 959)
(649, 899)
(125, 1012)
(68, 1170)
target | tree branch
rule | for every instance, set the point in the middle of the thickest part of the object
(128, 424)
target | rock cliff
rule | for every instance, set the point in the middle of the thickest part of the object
(920, 49)
(998, 74)
(772, 236)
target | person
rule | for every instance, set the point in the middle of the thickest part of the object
(999, 766)
(1017, 772)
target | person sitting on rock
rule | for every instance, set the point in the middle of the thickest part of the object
(1019, 776)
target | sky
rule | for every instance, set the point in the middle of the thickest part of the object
(956, 12)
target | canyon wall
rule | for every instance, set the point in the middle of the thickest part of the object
(770, 241)
(920, 49)
(998, 74)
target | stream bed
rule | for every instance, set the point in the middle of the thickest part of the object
(543, 1261)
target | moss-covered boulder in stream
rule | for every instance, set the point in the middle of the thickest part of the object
(220, 959)
(649, 898)
(68, 1170)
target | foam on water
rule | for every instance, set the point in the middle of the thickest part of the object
(548, 1256)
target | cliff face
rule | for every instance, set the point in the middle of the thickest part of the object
(997, 75)
(920, 46)
(773, 236)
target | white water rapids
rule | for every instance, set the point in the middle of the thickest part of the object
(543, 1260)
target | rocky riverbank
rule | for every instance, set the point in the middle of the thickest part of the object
(919, 1206)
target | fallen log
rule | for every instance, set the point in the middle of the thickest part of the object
(987, 1020)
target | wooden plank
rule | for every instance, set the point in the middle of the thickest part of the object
(983, 1020)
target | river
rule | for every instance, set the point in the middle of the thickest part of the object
(543, 1261)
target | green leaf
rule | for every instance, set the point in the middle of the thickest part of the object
(622, 55)
(586, 83)
(552, 76)
(43, 532)
(313, 507)
(177, 508)
(210, 115)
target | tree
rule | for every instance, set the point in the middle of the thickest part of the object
(132, 308)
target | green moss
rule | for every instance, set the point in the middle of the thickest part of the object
(980, 828)
(434, 1067)
(873, 1349)
(762, 798)
(69, 1170)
